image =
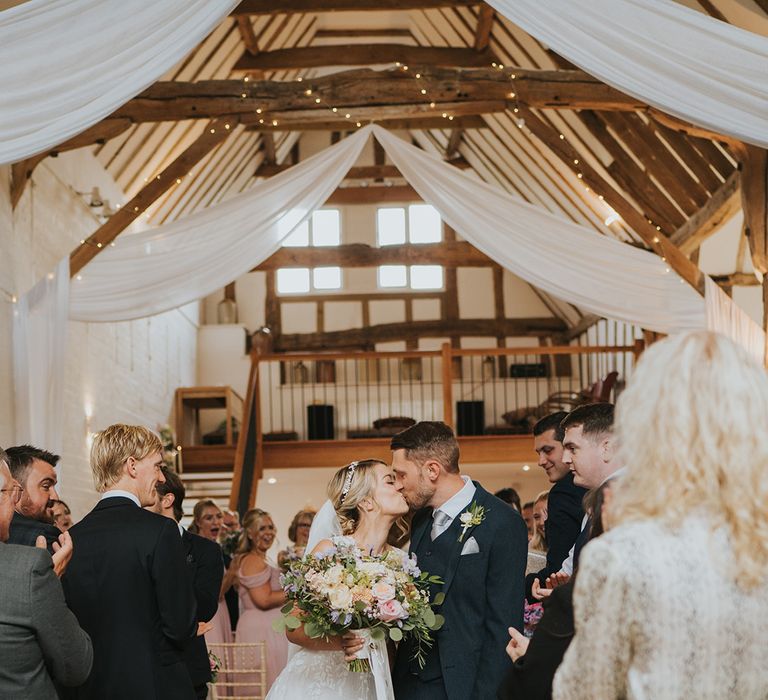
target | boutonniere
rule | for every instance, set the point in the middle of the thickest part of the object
(474, 515)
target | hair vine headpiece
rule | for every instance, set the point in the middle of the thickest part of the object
(348, 481)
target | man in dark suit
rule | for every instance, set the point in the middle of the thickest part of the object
(206, 570)
(126, 582)
(35, 470)
(565, 513)
(477, 545)
(40, 640)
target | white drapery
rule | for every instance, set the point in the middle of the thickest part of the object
(39, 360)
(164, 268)
(725, 317)
(681, 61)
(69, 63)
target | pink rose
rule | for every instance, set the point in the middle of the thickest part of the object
(391, 610)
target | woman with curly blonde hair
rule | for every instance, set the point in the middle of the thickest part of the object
(672, 603)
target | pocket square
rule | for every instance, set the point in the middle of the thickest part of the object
(470, 547)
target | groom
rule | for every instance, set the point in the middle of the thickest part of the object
(478, 546)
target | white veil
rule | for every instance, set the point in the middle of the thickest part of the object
(325, 525)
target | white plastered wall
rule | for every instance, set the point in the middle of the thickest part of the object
(117, 372)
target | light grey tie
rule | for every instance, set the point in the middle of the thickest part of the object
(440, 522)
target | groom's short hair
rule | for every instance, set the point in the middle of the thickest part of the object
(429, 440)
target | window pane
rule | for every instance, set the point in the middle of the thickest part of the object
(391, 225)
(326, 277)
(392, 276)
(426, 277)
(424, 225)
(299, 237)
(326, 227)
(293, 280)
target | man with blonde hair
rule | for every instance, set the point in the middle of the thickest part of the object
(127, 581)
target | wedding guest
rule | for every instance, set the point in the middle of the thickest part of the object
(510, 496)
(126, 581)
(41, 643)
(206, 519)
(477, 546)
(205, 567)
(535, 660)
(261, 595)
(35, 470)
(538, 542)
(229, 538)
(565, 515)
(298, 533)
(527, 513)
(62, 516)
(691, 423)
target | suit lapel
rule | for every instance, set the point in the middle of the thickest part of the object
(455, 556)
(418, 532)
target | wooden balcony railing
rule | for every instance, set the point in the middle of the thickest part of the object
(318, 409)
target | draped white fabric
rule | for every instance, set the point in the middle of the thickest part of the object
(576, 264)
(69, 63)
(725, 317)
(681, 61)
(157, 270)
(39, 357)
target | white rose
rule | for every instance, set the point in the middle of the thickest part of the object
(334, 574)
(340, 597)
(466, 518)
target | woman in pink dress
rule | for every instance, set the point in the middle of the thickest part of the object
(261, 595)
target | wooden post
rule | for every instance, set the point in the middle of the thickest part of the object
(447, 384)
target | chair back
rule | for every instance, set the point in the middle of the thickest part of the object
(243, 671)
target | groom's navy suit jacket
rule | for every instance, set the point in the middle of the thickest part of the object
(483, 597)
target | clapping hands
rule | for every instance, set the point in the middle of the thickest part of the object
(552, 582)
(62, 552)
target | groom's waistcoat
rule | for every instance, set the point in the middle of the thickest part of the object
(432, 557)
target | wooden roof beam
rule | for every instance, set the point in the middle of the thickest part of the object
(654, 239)
(386, 332)
(720, 208)
(412, 122)
(211, 137)
(270, 7)
(361, 55)
(361, 172)
(484, 26)
(448, 254)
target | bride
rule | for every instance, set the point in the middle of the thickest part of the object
(367, 503)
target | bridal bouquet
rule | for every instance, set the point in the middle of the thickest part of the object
(343, 589)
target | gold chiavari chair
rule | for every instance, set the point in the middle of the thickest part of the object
(243, 672)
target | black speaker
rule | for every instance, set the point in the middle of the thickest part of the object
(320, 422)
(470, 417)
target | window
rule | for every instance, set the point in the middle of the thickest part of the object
(418, 223)
(323, 228)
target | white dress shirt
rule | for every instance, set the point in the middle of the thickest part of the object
(458, 502)
(117, 493)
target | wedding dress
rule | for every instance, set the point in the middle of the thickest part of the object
(321, 675)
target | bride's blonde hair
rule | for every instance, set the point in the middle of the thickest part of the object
(349, 487)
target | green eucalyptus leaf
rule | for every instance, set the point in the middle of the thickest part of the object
(439, 598)
(395, 634)
(439, 622)
(292, 623)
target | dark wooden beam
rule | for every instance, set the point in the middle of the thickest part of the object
(374, 195)
(409, 123)
(211, 137)
(654, 239)
(362, 55)
(389, 332)
(737, 279)
(447, 253)
(484, 25)
(454, 141)
(270, 7)
(720, 208)
(362, 33)
(176, 100)
(754, 198)
(248, 35)
(361, 172)
(268, 146)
